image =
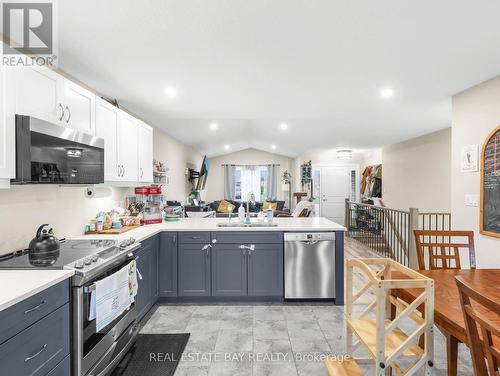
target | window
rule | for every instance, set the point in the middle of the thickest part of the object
(250, 179)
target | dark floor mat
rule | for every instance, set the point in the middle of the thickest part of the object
(153, 355)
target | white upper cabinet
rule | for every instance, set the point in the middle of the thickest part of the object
(39, 92)
(127, 147)
(106, 127)
(145, 152)
(7, 138)
(79, 107)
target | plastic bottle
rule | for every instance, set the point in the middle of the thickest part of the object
(269, 215)
(241, 213)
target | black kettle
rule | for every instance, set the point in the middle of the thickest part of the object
(44, 248)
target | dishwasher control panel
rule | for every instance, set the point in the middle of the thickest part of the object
(309, 236)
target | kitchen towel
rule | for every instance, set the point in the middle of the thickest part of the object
(114, 294)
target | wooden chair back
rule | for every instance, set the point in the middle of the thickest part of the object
(440, 249)
(482, 333)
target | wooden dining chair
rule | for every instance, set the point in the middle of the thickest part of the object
(482, 333)
(441, 249)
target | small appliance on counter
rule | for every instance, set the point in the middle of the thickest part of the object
(151, 201)
(44, 247)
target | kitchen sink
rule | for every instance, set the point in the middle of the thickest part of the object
(253, 224)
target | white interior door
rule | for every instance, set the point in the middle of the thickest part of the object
(335, 185)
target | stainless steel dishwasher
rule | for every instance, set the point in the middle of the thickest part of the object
(309, 265)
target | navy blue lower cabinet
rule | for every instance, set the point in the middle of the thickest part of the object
(155, 286)
(63, 368)
(194, 269)
(167, 264)
(38, 349)
(143, 298)
(229, 270)
(265, 270)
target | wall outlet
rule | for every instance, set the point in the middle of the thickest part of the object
(472, 200)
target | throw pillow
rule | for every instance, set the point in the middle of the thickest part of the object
(225, 207)
(269, 205)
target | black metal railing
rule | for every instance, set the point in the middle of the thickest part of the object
(389, 232)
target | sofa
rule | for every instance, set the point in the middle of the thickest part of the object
(253, 208)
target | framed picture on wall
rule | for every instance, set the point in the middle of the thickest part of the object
(490, 185)
(469, 159)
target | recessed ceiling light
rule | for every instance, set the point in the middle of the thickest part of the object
(170, 92)
(284, 126)
(213, 126)
(387, 93)
(273, 147)
(226, 147)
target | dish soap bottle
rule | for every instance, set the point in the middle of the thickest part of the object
(241, 213)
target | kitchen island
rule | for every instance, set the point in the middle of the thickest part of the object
(217, 260)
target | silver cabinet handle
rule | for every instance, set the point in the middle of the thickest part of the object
(35, 354)
(206, 247)
(69, 114)
(62, 111)
(142, 172)
(35, 308)
(118, 170)
(123, 170)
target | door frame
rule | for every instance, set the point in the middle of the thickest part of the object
(353, 166)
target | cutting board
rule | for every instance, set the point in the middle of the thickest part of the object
(114, 231)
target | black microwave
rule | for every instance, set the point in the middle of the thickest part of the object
(47, 153)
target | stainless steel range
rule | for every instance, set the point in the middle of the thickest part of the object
(95, 353)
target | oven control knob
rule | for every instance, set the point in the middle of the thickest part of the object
(131, 241)
(94, 258)
(87, 261)
(123, 244)
(79, 265)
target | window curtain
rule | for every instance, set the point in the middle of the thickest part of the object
(272, 182)
(229, 181)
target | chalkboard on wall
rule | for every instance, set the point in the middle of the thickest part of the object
(490, 185)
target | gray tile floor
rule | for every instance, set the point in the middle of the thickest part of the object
(225, 337)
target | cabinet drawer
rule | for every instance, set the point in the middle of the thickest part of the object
(63, 368)
(21, 315)
(248, 237)
(39, 348)
(194, 237)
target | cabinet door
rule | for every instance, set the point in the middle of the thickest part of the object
(168, 264)
(79, 107)
(229, 270)
(265, 270)
(106, 122)
(154, 268)
(144, 288)
(39, 93)
(194, 270)
(7, 125)
(127, 147)
(145, 153)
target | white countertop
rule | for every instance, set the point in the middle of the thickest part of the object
(210, 224)
(18, 285)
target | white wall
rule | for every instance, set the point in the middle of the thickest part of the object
(476, 112)
(24, 208)
(416, 173)
(66, 209)
(176, 156)
(215, 183)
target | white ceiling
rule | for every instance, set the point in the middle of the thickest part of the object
(318, 65)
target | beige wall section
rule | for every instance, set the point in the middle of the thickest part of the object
(215, 184)
(66, 209)
(476, 112)
(416, 173)
(176, 156)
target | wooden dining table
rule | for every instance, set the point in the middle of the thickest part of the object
(448, 315)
